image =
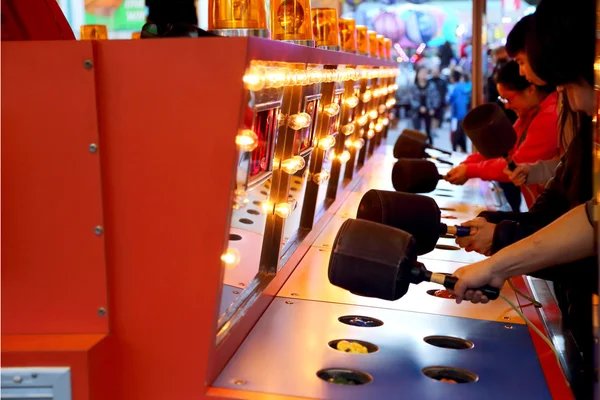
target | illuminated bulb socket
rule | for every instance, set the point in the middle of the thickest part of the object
(321, 177)
(378, 127)
(358, 144)
(390, 103)
(231, 258)
(348, 129)
(373, 114)
(385, 121)
(240, 199)
(362, 120)
(351, 101)
(293, 165)
(332, 109)
(246, 140)
(327, 142)
(283, 210)
(370, 134)
(344, 157)
(299, 121)
(382, 109)
(367, 96)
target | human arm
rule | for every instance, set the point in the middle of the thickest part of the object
(569, 238)
(537, 173)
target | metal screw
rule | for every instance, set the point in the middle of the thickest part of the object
(17, 379)
(506, 318)
(239, 382)
(102, 311)
(34, 375)
(93, 148)
(508, 326)
(295, 294)
(88, 64)
(242, 284)
(236, 292)
(289, 302)
(98, 230)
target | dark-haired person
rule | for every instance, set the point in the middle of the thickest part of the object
(556, 26)
(499, 58)
(425, 100)
(536, 130)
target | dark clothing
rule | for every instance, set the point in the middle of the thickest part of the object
(458, 138)
(442, 87)
(427, 96)
(574, 283)
(512, 194)
(446, 55)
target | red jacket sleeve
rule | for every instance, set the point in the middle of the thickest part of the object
(541, 143)
(473, 158)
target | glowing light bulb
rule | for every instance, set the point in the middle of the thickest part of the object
(247, 140)
(382, 108)
(254, 79)
(358, 143)
(367, 96)
(321, 177)
(332, 109)
(283, 210)
(390, 103)
(378, 127)
(293, 165)
(266, 207)
(348, 129)
(371, 125)
(348, 142)
(351, 101)
(362, 120)
(327, 142)
(231, 258)
(299, 121)
(370, 134)
(373, 114)
(344, 157)
(240, 199)
(385, 121)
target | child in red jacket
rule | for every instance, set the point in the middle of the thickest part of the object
(536, 128)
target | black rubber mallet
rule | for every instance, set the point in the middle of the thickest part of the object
(412, 144)
(415, 176)
(491, 132)
(375, 260)
(418, 215)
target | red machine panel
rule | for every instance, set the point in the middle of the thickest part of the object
(53, 262)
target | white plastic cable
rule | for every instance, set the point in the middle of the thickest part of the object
(535, 303)
(536, 330)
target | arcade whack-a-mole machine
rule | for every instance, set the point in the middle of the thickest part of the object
(168, 224)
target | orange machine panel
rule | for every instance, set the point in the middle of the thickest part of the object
(53, 263)
(169, 112)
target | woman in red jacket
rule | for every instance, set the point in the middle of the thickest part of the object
(536, 128)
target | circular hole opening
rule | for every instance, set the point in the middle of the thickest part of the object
(447, 209)
(234, 238)
(293, 189)
(450, 374)
(444, 190)
(447, 236)
(446, 247)
(298, 181)
(443, 195)
(349, 346)
(448, 342)
(441, 293)
(341, 376)
(264, 192)
(257, 203)
(361, 321)
(253, 212)
(246, 221)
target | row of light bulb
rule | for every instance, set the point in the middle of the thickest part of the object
(260, 77)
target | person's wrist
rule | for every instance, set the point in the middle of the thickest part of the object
(503, 260)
